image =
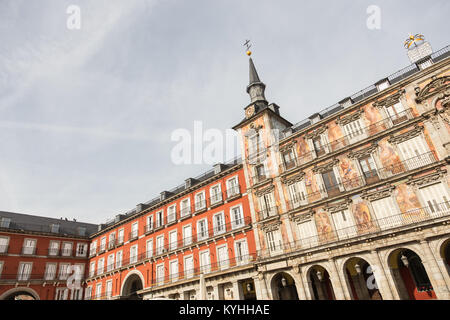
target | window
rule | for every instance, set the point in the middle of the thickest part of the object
(29, 246)
(202, 229)
(4, 222)
(160, 273)
(119, 256)
(159, 218)
(386, 212)
(79, 270)
(61, 293)
(63, 271)
(1, 268)
(133, 254)
(100, 266)
(219, 223)
(397, 113)
(415, 153)
(50, 271)
(204, 261)
(237, 218)
(344, 224)
(54, 248)
(120, 236)
(109, 285)
(355, 131)
(436, 199)
(187, 235)
(110, 263)
(232, 187)
(297, 192)
(24, 271)
(76, 294)
(288, 159)
(268, 208)
(103, 244)
(160, 244)
(331, 183)
(255, 145)
(4, 241)
(134, 231)
(222, 257)
(149, 247)
(98, 291)
(88, 294)
(241, 252)
(93, 249)
(369, 169)
(81, 249)
(112, 240)
(54, 228)
(149, 226)
(307, 233)
(274, 242)
(318, 146)
(260, 173)
(173, 240)
(216, 194)
(200, 202)
(81, 231)
(172, 213)
(173, 267)
(67, 249)
(185, 207)
(189, 267)
(92, 269)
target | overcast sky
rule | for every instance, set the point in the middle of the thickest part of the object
(86, 115)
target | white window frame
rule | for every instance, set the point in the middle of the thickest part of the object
(222, 228)
(201, 236)
(88, 293)
(4, 247)
(174, 275)
(215, 197)
(150, 221)
(159, 222)
(119, 259)
(183, 211)
(188, 273)
(135, 256)
(26, 249)
(63, 273)
(134, 230)
(92, 269)
(65, 252)
(109, 285)
(53, 251)
(149, 248)
(48, 275)
(98, 290)
(205, 268)
(103, 244)
(173, 244)
(355, 131)
(160, 249)
(20, 275)
(160, 278)
(172, 213)
(109, 265)
(187, 240)
(200, 204)
(100, 265)
(120, 236)
(237, 223)
(243, 257)
(84, 250)
(232, 190)
(223, 263)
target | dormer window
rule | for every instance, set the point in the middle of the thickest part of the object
(382, 84)
(54, 228)
(81, 231)
(5, 222)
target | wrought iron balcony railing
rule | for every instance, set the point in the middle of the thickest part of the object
(233, 192)
(267, 213)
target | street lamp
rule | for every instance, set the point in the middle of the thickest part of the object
(319, 275)
(404, 260)
(358, 268)
(249, 287)
(283, 282)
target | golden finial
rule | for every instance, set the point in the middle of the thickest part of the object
(248, 45)
(413, 39)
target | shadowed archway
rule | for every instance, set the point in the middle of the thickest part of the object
(132, 285)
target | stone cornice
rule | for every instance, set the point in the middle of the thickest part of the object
(264, 191)
(300, 217)
(378, 194)
(292, 179)
(390, 100)
(358, 154)
(343, 120)
(407, 135)
(428, 179)
(336, 207)
(437, 85)
(267, 227)
(315, 133)
(325, 167)
(288, 145)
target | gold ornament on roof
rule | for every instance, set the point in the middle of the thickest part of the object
(413, 39)
(248, 45)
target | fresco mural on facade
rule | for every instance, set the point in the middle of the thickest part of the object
(303, 151)
(390, 160)
(324, 226)
(407, 201)
(335, 136)
(372, 118)
(312, 189)
(429, 142)
(361, 213)
(349, 174)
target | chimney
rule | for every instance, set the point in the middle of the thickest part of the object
(382, 84)
(219, 167)
(189, 182)
(118, 217)
(164, 195)
(140, 207)
(345, 103)
(315, 118)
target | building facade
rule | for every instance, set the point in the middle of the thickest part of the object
(349, 204)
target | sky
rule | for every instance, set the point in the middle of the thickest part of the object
(87, 115)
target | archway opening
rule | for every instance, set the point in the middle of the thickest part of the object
(361, 280)
(247, 288)
(445, 253)
(410, 276)
(20, 295)
(320, 284)
(283, 287)
(131, 287)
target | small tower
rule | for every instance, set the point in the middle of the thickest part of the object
(418, 48)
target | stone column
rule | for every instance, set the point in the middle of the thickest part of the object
(381, 278)
(444, 271)
(236, 291)
(434, 273)
(336, 282)
(215, 292)
(260, 287)
(299, 283)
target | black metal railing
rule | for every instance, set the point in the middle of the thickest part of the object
(372, 226)
(267, 213)
(3, 249)
(233, 192)
(258, 178)
(26, 250)
(133, 235)
(185, 212)
(53, 252)
(200, 205)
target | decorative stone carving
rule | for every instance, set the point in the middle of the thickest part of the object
(336, 207)
(288, 146)
(437, 85)
(264, 191)
(389, 101)
(407, 135)
(303, 216)
(349, 118)
(325, 167)
(316, 133)
(378, 194)
(439, 174)
(292, 179)
(358, 154)
(271, 226)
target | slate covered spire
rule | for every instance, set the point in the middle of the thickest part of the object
(255, 88)
(254, 78)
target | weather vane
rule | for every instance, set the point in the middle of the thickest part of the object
(248, 45)
(413, 39)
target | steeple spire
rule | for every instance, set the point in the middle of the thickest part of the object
(255, 88)
(253, 74)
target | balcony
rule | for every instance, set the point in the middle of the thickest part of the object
(133, 235)
(288, 165)
(102, 248)
(111, 244)
(268, 213)
(119, 241)
(200, 206)
(172, 218)
(233, 192)
(216, 200)
(375, 226)
(92, 252)
(66, 252)
(185, 213)
(259, 178)
(29, 250)
(53, 252)
(148, 229)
